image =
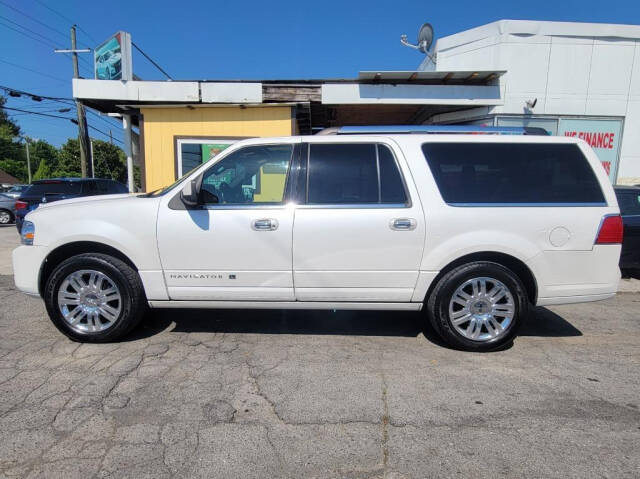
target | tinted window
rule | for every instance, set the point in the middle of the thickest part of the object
(91, 188)
(255, 174)
(629, 202)
(512, 173)
(115, 187)
(356, 173)
(54, 188)
(345, 173)
(391, 186)
(191, 156)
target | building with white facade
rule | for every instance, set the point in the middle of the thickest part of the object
(579, 79)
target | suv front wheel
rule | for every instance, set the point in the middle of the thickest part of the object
(478, 306)
(94, 297)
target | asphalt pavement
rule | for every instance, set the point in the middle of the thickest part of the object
(318, 394)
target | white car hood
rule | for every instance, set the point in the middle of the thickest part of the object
(85, 199)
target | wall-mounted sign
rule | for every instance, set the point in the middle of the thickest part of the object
(112, 58)
(603, 136)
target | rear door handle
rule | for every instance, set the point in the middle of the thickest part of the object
(265, 224)
(403, 224)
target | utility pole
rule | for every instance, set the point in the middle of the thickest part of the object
(93, 168)
(83, 131)
(83, 134)
(26, 143)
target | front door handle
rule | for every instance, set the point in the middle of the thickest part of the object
(265, 224)
(403, 224)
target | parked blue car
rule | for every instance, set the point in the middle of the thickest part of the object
(55, 189)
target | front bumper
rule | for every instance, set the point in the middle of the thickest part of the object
(27, 262)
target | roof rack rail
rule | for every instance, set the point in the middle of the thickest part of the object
(434, 129)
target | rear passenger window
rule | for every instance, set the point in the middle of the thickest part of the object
(512, 173)
(356, 173)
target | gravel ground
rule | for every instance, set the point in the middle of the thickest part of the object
(319, 394)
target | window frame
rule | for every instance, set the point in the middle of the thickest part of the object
(178, 141)
(265, 205)
(455, 204)
(302, 182)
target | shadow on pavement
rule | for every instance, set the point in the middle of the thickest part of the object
(542, 322)
(545, 323)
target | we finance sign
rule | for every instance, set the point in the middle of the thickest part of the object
(602, 135)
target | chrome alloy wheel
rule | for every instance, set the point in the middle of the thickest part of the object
(5, 217)
(481, 309)
(89, 301)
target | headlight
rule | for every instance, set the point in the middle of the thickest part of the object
(28, 233)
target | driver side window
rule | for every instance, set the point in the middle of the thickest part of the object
(251, 175)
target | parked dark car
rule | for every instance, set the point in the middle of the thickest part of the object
(16, 190)
(629, 202)
(7, 209)
(55, 189)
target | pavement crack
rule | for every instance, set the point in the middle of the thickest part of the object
(385, 425)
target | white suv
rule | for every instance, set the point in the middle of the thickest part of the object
(472, 229)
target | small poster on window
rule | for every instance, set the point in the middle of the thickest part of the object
(211, 150)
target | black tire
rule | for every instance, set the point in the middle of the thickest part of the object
(12, 218)
(438, 305)
(134, 303)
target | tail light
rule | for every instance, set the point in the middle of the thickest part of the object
(21, 205)
(610, 230)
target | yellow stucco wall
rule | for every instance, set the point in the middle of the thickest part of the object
(161, 125)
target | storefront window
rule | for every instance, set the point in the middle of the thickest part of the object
(192, 152)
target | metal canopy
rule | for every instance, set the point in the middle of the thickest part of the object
(434, 77)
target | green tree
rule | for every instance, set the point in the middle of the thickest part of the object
(109, 161)
(44, 170)
(68, 159)
(40, 150)
(12, 154)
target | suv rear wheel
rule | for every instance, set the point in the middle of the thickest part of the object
(94, 298)
(478, 306)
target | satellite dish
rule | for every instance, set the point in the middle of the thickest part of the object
(425, 37)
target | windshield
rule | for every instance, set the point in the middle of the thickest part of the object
(17, 189)
(55, 188)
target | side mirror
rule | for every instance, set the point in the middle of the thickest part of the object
(189, 194)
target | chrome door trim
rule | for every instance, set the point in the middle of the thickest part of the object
(356, 206)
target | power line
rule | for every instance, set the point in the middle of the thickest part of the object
(73, 120)
(22, 92)
(149, 58)
(27, 29)
(35, 19)
(27, 35)
(100, 117)
(42, 111)
(38, 113)
(50, 45)
(33, 71)
(64, 101)
(67, 19)
(105, 134)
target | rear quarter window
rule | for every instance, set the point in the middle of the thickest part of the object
(512, 174)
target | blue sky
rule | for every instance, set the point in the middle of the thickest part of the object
(203, 39)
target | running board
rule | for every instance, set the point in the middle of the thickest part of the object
(286, 305)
